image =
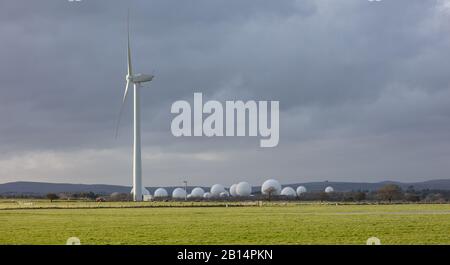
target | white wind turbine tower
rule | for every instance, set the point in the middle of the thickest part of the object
(135, 80)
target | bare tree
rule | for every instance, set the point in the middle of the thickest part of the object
(52, 196)
(390, 192)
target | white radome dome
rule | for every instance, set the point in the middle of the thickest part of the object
(161, 193)
(189, 196)
(243, 189)
(329, 189)
(271, 186)
(301, 190)
(233, 190)
(144, 191)
(207, 195)
(224, 194)
(197, 193)
(288, 191)
(179, 193)
(216, 189)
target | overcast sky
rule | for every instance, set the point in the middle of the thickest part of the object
(364, 89)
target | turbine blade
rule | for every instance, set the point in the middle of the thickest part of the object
(130, 69)
(121, 107)
(126, 92)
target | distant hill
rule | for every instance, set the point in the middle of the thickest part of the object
(42, 188)
(441, 184)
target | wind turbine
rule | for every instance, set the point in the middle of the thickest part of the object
(135, 80)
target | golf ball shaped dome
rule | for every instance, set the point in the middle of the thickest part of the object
(179, 193)
(271, 186)
(224, 194)
(288, 191)
(197, 193)
(244, 189)
(300, 190)
(329, 189)
(233, 190)
(160, 193)
(216, 189)
(144, 191)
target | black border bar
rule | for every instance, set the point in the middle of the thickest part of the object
(226, 254)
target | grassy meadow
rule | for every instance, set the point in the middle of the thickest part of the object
(42, 222)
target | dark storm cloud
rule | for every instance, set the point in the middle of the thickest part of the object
(368, 74)
(72, 55)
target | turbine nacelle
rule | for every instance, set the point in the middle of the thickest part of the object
(140, 78)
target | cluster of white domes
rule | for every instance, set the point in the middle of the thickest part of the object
(241, 189)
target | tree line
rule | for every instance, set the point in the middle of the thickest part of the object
(388, 193)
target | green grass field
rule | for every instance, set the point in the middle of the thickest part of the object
(42, 222)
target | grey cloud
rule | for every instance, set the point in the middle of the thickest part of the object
(341, 70)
